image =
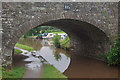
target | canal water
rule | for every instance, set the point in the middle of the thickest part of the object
(71, 65)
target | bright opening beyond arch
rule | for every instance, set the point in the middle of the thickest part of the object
(43, 46)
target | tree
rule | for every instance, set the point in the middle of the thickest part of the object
(57, 41)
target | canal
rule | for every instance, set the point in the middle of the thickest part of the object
(71, 65)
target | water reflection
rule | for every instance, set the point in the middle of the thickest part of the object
(33, 65)
(74, 66)
(57, 55)
(60, 61)
(45, 49)
(36, 44)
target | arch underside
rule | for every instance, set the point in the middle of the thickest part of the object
(86, 39)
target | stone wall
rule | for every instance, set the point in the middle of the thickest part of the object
(90, 23)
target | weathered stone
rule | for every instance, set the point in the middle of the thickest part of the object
(91, 26)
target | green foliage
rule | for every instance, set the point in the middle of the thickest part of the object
(57, 32)
(16, 72)
(25, 47)
(0, 72)
(17, 51)
(33, 32)
(65, 43)
(57, 41)
(104, 56)
(51, 72)
(113, 56)
(41, 29)
(31, 36)
(57, 55)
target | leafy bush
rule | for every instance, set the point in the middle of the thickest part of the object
(65, 43)
(104, 56)
(113, 56)
(57, 41)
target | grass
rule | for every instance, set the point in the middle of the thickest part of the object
(0, 73)
(16, 72)
(51, 72)
(17, 51)
(58, 32)
(25, 47)
(32, 36)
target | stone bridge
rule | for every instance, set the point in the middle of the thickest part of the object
(91, 26)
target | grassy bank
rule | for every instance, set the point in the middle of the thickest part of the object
(32, 36)
(58, 32)
(25, 47)
(17, 51)
(51, 72)
(16, 72)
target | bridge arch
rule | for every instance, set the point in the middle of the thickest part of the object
(86, 38)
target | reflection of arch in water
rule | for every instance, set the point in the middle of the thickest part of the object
(59, 60)
(58, 51)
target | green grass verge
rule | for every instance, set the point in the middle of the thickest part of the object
(51, 72)
(57, 32)
(32, 36)
(25, 47)
(16, 72)
(0, 73)
(17, 51)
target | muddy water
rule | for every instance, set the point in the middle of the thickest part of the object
(82, 67)
(33, 65)
(73, 66)
(55, 57)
